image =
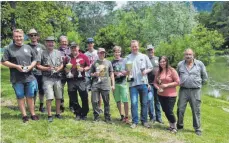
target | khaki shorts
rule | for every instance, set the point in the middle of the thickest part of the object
(52, 88)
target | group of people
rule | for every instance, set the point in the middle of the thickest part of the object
(45, 69)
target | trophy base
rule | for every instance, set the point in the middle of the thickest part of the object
(130, 79)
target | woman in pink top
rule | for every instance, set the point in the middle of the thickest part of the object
(166, 81)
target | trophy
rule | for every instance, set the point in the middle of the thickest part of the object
(159, 82)
(98, 71)
(69, 67)
(24, 67)
(129, 66)
(142, 68)
(78, 66)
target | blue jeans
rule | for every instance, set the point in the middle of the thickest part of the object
(141, 90)
(150, 103)
(157, 105)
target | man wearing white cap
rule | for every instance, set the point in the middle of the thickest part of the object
(153, 100)
(38, 48)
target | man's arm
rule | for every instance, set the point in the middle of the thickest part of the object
(204, 74)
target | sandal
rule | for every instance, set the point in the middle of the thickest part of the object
(169, 128)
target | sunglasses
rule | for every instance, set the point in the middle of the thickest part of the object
(33, 35)
(89, 42)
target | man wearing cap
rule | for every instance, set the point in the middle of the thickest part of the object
(102, 73)
(77, 82)
(51, 64)
(21, 59)
(153, 100)
(93, 56)
(141, 66)
(38, 48)
(65, 52)
(192, 75)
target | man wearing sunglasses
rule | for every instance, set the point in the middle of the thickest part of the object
(38, 49)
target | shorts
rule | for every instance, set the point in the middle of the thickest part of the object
(52, 88)
(120, 93)
(40, 84)
(27, 89)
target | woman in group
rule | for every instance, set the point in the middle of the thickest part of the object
(166, 81)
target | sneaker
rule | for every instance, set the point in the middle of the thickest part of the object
(126, 120)
(83, 118)
(77, 118)
(198, 133)
(34, 117)
(25, 119)
(133, 126)
(152, 120)
(146, 125)
(58, 116)
(179, 127)
(96, 119)
(50, 119)
(62, 108)
(71, 109)
(122, 118)
(108, 120)
(42, 109)
(160, 121)
(169, 128)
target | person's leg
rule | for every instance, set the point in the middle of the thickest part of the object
(134, 104)
(58, 95)
(143, 91)
(106, 101)
(157, 105)
(181, 106)
(195, 102)
(41, 93)
(150, 103)
(30, 89)
(84, 98)
(100, 104)
(49, 93)
(63, 82)
(48, 106)
(117, 95)
(95, 95)
(169, 113)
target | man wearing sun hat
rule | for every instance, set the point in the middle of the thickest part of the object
(38, 48)
(102, 82)
(51, 64)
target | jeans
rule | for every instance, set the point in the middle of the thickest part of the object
(141, 90)
(150, 103)
(157, 105)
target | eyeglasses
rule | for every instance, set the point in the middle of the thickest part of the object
(33, 35)
(150, 50)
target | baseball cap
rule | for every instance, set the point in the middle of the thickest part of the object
(101, 50)
(149, 47)
(50, 38)
(73, 44)
(90, 40)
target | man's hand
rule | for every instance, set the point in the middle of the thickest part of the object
(19, 68)
(144, 73)
(113, 88)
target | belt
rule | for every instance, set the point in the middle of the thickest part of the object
(189, 88)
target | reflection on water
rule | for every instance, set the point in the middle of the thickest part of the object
(214, 92)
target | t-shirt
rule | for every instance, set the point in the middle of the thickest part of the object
(155, 62)
(105, 68)
(52, 59)
(82, 60)
(24, 56)
(118, 67)
(139, 61)
(92, 56)
(38, 49)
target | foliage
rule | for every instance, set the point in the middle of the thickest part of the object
(148, 24)
(48, 18)
(201, 40)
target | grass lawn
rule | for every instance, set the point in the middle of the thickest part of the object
(215, 124)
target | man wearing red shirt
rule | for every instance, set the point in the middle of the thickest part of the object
(79, 64)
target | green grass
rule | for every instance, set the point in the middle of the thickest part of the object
(215, 125)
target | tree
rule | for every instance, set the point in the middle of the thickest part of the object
(201, 40)
(49, 18)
